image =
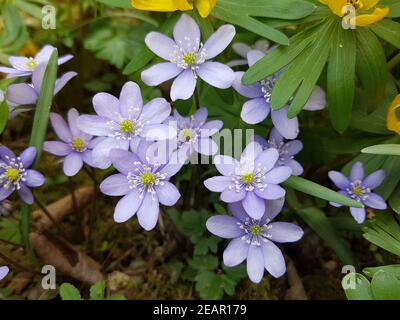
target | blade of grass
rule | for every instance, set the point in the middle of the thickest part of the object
(316, 190)
(39, 128)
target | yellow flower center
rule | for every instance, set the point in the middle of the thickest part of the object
(190, 58)
(12, 174)
(147, 178)
(248, 178)
(358, 191)
(255, 230)
(187, 134)
(127, 126)
(78, 144)
(31, 64)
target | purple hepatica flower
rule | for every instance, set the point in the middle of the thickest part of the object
(188, 58)
(251, 180)
(15, 175)
(76, 146)
(23, 66)
(253, 239)
(124, 121)
(4, 270)
(23, 93)
(359, 189)
(194, 134)
(144, 184)
(287, 150)
(258, 107)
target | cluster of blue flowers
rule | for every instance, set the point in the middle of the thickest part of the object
(129, 134)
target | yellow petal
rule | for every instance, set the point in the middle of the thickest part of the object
(363, 20)
(393, 122)
(205, 7)
(162, 5)
(368, 4)
(336, 6)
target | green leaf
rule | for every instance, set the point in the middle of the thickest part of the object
(39, 127)
(394, 201)
(41, 118)
(371, 64)
(4, 112)
(97, 291)
(300, 78)
(276, 59)
(237, 12)
(319, 191)
(29, 8)
(124, 4)
(209, 285)
(203, 262)
(394, 6)
(69, 292)
(341, 78)
(280, 9)
(318, 221)
(388, 30)
(114, 41)
(393, 269)
(385, 286)
(384, 149)
(362, 289)
(384, 231)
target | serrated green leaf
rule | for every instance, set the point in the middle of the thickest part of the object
(203, 262)
(362, 287)
(209, 285)
(316, 190)
(318, 221)
(69, 292)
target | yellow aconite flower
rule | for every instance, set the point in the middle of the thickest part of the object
(363, 16)
(203, 6)
(393, 122)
